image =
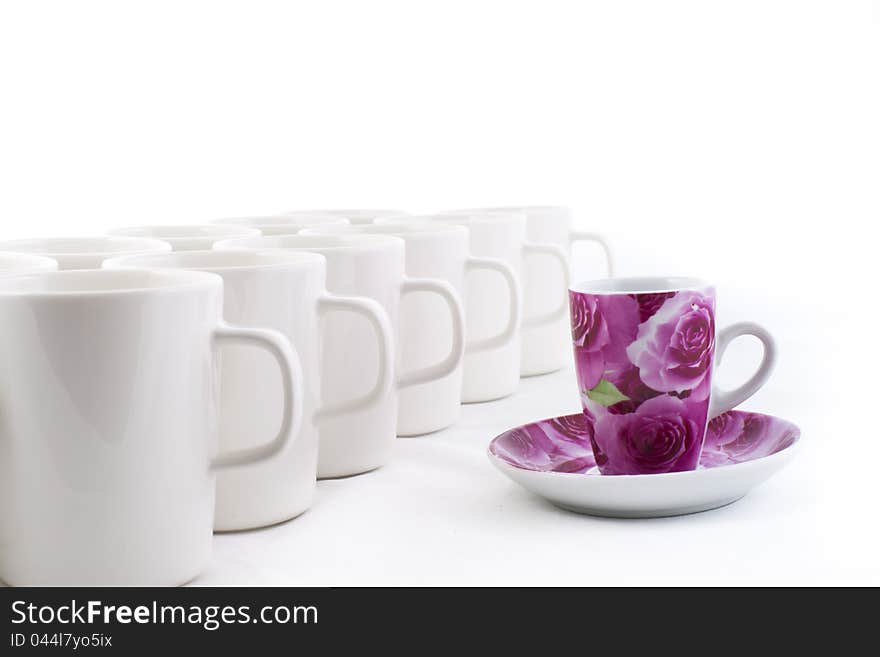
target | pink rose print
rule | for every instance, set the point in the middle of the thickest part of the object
(589, 334)
(649, 304)
(562, 444)
(602, 327)
(664, 434)
(675, 346)
(575, 427)
(738, 436)
(539, 447)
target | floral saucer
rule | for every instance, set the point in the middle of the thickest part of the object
(553, 459)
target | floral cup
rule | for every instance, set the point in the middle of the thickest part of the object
(644, 351)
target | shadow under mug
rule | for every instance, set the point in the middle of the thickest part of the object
(645, 350)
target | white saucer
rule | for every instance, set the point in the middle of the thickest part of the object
(553, 459)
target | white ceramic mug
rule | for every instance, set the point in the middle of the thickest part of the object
(545, 284)
(284, 224)
(371, 266)
(284, 291)
(493, 374)
(84, 252)
(108, 437)
(20, 263)
(440, 251)
(187, 238)
(353, 216)
(545, 343)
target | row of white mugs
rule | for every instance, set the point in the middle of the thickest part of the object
(120, 355)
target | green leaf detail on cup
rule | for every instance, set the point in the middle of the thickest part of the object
(605, 393)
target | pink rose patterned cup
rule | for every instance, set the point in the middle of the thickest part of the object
(644, 351)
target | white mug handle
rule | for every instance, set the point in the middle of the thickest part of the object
(453, 359)
(725, 400)
(514, 316)
(586, 236)
(378, 318)
(559, 254)
(292, 384)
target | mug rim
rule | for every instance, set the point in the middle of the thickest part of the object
(639, 285)
(277, 220)
(184, 231)
(518, 209)
(350, 243)
(457, 217)
(33, 263)
(271, 259)
(402, 230)
(360, 213)
(53, 247)
(168, 280)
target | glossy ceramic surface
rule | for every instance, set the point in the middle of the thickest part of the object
(282, 291)
(108, 439)
(644, 353)
(553, 458)
(435, 251)
(491, 308)
(544, 343)
(370, 266)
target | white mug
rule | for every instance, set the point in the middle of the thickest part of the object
(109, 427)
(545, 345)
(84, 252)
(284, 224)
(187, 238)
(353, 216)
(441, 251)
(371, 266)
(283, 291)
(20, 263)
(493, 374)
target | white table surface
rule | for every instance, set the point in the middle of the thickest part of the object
(440, 514)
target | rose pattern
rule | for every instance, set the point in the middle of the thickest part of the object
(664, 434)
(675, 346)
(589, 333)
(563, 444)
(644, 366)
(650, 303)
(735, 437)
(546, 448)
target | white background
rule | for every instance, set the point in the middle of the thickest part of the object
(736, 141)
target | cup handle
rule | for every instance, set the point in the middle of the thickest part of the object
(557, 253)
(378, 318)
(585, 236)
(292, 383)
(725, 400)
(453, 359)
(514, 316)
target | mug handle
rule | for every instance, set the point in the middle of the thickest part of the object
(557, 253)
(292, 384)
(725, 400)
(514, 316)
(586, 236)
(378, 318)
(453, 359)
